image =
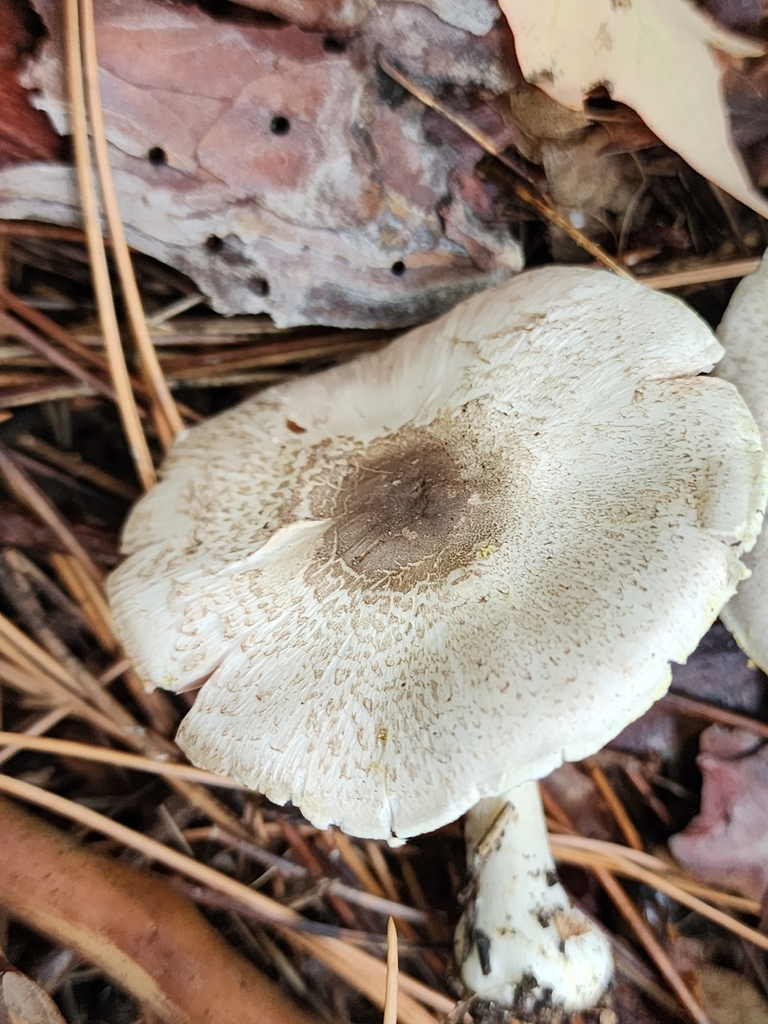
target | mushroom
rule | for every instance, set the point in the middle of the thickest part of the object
(417, 580)
(744, 334)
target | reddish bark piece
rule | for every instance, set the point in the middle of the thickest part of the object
(284, 173)
(150, 940)
(25, 133)
(727, 843)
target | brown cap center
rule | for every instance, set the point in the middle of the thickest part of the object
(408, 507)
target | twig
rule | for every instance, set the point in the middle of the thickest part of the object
(712, 713)
(132, 925)
(358, 968)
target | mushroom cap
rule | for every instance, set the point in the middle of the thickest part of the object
(744, 334)
(420, 578)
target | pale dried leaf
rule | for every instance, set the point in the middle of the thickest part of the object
(24, 1002)
(657, 56)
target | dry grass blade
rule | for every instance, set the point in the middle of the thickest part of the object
(362, 971)
(126, 402)
(167, 416)
(522, 191)
(390, 998)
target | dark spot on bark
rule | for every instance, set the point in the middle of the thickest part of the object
(259, 285)
(279, 125)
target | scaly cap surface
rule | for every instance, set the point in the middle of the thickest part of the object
(420, 578)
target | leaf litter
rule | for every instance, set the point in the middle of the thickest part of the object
(309, 909)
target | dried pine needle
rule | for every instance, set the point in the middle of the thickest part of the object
(521, 190)
(390, 997)
(117, 758)
(614, 804)
(126, 401)
(167, 417)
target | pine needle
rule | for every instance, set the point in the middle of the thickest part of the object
(390, 997)
(126, 401)
(167, 417)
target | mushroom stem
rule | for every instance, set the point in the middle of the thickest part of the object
(520, 941)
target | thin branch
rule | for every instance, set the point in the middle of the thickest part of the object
(358, 968)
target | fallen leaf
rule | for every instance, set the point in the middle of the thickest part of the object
(728, 998)
(727, 843)
(24, 1002)
(657, 56)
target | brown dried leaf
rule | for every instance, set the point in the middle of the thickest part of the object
(728, 997)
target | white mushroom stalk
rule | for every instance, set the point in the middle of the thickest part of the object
(420, 579)
(520, 941)
(744, 334)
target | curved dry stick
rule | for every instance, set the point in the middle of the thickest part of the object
(139, 931)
